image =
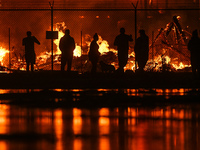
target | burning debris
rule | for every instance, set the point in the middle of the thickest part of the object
(170, 52)
(170, 45)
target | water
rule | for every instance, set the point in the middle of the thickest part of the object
(136, 127)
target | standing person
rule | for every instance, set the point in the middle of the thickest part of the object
(67, 46)
(122, 43)
(94, 53)
(142, 50)
(30, 56)
(194, 48)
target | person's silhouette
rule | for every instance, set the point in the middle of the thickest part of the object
(94, 53)
(30, 55)
(142, 50)
(122, 43)
(194, 48)
(67, 46)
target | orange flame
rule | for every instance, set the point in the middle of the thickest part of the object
(3, 53)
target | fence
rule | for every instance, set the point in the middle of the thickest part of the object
(107, 23)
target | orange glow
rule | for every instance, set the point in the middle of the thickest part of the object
(157, 113)
(77, 52)
(81, 17)
(173, 111)
(131, 121)
(3, 91)
(139, 144)
(168, 113)
(104, 112)
(182, 135)
(132, 112)
(77, 144)
(181, 114)
(3, 53)
(104, 144)
(77, 121)
(58, 117)
(58, 125)
(182, 91)
(4, 119)
(45, 120)
(104, 122)
(159, 62)
(3, 145)
(77, 112)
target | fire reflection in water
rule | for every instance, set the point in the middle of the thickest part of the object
(157, 128)
(104, 121)
(4, 119)
(77, 128)
(4, 124)
(77, 121)
(104, 128)
(58, 125)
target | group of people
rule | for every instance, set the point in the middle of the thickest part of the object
(122, 42)
(141, 48)
(67, 46)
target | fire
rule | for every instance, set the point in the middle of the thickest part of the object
(160, 62)
(3, 53)
(77, 52)
(44, 59)
(103, 45)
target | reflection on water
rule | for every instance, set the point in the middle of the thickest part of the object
(143, 128)
(129, 92)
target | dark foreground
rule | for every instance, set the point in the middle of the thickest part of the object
(73, 80)
(100, 119)
(54, 111)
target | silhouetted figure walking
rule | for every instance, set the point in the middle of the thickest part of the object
(194, 48)
(142, 50)
(30, 55)
(94, 53)
(67, 46)
(122, 43)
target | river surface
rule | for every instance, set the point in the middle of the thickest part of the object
(135, 127)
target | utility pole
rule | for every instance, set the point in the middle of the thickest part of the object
(81, 52)
(135, 7)
(152, 45)
(51, 5)
(9, 50)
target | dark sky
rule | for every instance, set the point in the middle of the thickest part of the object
(65, 3)
(97, 3)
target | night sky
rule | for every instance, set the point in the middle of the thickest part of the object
(65, 3)
(44, 4)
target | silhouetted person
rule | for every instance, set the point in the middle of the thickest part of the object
(67, 46)
(94, 53)
(194, 48)
(122, 43)
(30, 56)
(142, 50)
